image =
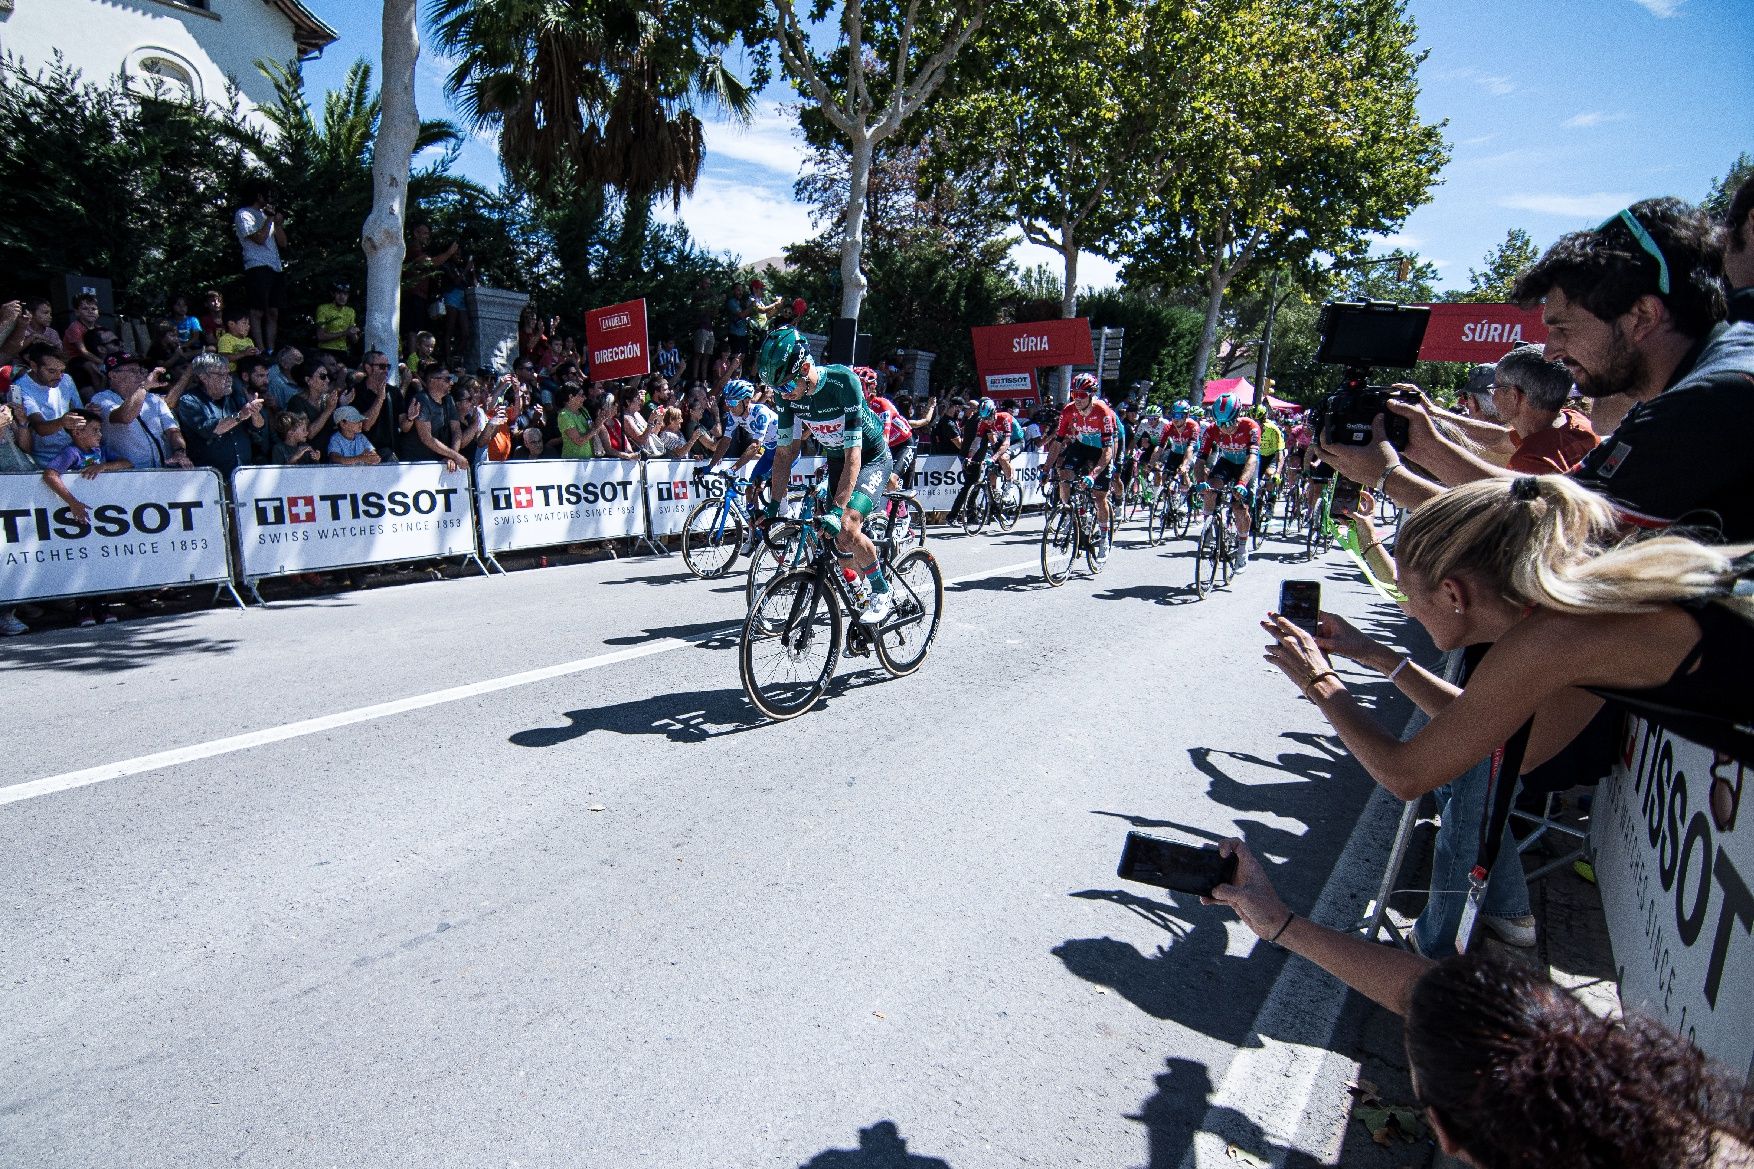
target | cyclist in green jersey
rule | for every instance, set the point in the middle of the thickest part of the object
(1272, 446)
(828, 403)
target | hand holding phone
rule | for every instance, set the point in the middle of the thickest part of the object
(1170, 864)
(1300, 602)
(1346, 494)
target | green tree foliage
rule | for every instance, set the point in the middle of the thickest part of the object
(1717, 200)
(1491, 283)
(1160, 340)
(1307, 142)
(592, 94)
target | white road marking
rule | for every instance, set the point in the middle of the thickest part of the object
(159, 760)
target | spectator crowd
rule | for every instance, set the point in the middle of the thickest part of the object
(1573, 565)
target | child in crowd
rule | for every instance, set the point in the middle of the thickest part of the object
(86, 455)
(349, 446)
(235, 341)
(425, 352)
(187, 325)
(212, 317)
(292, 445)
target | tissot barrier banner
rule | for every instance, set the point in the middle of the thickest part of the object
(938, 478)
(538, 502)
(142, 530)
(615, 338)
(1675, 865)
(306, 519)
(671, 493)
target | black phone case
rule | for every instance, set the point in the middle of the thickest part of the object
(1170, 864)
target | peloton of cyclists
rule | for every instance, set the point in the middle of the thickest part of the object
(1087, 434)
(1148, 436)
(828, 403)
(1231, 449)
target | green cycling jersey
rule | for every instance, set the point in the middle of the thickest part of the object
(833, 415)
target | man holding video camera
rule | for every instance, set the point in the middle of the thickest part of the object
(1634, 309)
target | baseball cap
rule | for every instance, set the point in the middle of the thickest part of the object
(348, 414)
(1480, 379)
(115, 360)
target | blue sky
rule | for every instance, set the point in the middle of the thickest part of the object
(1560, 112)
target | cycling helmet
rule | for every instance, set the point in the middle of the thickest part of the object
(736, 390)
(1225, 409)
(1154, 412)
(1181, 410)
(1084, 385)
(783, 354)
(867, 379)
(1259, 413)
(987, 408)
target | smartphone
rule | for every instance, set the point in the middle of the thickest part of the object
(1300, 602)
(1345, 496)
(1169, 864)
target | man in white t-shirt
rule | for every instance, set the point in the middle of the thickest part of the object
(138, 423)
(261, 233)
(47, 395)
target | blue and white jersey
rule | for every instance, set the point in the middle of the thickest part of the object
(761, 424)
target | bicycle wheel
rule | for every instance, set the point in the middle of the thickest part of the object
(974, 515)
(712, 538)
(772, 556)
(1008, 507)
(790, 645)
(907, 527)
(1206, 559)
(918, 585)
(1227, 538)
(1093, 540)
(1157, 521)
(1059, 545)
(1184, 519)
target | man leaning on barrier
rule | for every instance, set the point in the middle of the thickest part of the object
(222, 427)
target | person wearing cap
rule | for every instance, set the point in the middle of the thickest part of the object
(337, 322)
(138, 423)
(1474, 399)
(348, 446)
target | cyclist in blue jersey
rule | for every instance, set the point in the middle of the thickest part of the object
(752, 432)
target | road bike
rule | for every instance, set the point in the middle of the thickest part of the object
(712, 535)
(1261, 508)
(1172, 512)
(1071, 528)
(798, 626)
(1319, 529)
(1217, 542)
(900, 522)
(996, 499)
(896, 530)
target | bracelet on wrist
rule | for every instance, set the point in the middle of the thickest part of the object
(1277, 934)
(1383, 480)
(1399, 666)
(1315, 679)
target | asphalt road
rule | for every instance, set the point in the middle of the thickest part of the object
(612, 918)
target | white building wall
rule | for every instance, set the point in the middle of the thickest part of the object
(103, 37)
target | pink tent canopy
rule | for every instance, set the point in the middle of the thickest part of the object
(1280, 405)
(1240, 386)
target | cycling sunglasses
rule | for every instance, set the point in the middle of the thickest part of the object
(1644, 241)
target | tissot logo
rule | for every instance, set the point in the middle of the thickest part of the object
(274, 511)
(542, 495)
(523, 497)
(676, 492)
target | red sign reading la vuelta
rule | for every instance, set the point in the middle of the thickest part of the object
(617, 341)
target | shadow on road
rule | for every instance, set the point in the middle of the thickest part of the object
(1159, 594)
(125, 645)
(667, 578)
(726, 632)
(880, 1147)
(692, 717)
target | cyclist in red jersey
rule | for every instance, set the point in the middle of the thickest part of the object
(1232, 448)
(898, 431)
(1088, 434)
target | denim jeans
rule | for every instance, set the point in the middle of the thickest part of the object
(1461, 806)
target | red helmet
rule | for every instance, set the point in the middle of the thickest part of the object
(1084, 384)
(867, 379)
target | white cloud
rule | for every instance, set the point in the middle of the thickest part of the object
(1591, 118)
(1496, 84)
(1477, 140)
(770, 141)
(749, 220)
(1402, 239)
(1662, 8)
(1582, 207)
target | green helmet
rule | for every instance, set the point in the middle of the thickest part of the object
(783, 354)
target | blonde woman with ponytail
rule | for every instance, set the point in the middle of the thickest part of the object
(1533, 567)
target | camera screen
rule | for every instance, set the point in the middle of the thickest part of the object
(1372, 334)
(1300, 602)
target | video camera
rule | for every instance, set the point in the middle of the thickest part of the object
(1361, 335)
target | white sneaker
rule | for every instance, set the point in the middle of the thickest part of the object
(11, 626)
(881, 606)
(1512, 931)
(1240, 558)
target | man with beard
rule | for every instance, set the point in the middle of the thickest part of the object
(1739, 252)
(1635, 311)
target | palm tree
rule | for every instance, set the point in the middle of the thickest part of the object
(598, 93)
